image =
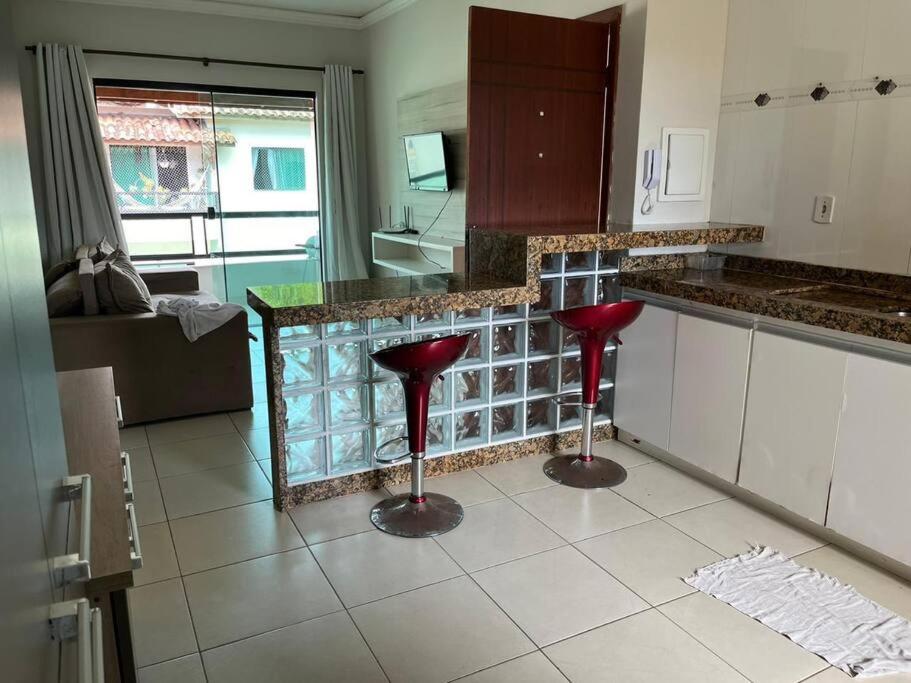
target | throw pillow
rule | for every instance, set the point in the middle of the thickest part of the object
(64, 297)
(58, 270)
(119, 287)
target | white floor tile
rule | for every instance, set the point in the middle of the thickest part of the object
(215, 539)
(133, 437)
(756, 651)
(643, 648)
(833, 675)
(325, 650)
(189, 428)
(183, 457)
(576, 514)
(336, 517)
(375, 565)
(531, 668)
(147, 502)
(192, 494)
(650, 558)
(141, 465)
(257, 441)
(158, 559)
(441, 632)
(266, 467)
(469, 488)
(160, 622)
(558, 594)
(249, 598)
(183, 670)
(662, 490)
(518, 476)
(255, 418)
(619, 452)
(496, 532)
(880, 586)
(731, 527)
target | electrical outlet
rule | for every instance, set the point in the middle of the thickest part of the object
(823, 208)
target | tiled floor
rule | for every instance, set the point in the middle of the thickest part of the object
(540, 582)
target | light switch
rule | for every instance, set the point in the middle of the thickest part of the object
(823, 208)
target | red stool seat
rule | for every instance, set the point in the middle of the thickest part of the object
(418, 365)
(593, 326)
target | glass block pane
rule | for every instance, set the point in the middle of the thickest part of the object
(304, 413)
(540, 416)
(394, 324)
(609, 260)
(550, 263)
(470, 386)
(298, 333)
(570, 416)
(478, 350)
(443, 319)
(388, 399)
(346, 362)
(609, 290)
(508, 340)
(509, 312)
(346, 329)
(470, 428)
(570, 340)
(439, 392)
(350, 451)
(305, 460)
(550, 297)
(506, 382)
(605, 407)
(378, 343)
(384, 433)
(506, 421)
(439, 430)
(608, 367)
(570, 373)
(542, 377)
(543, 337)
(348, 406)
(578, 291)
(580, 260)
(472, 315)
(301, 367)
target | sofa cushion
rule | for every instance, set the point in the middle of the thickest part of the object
(64, 297)
(119, 287)
(86, 273)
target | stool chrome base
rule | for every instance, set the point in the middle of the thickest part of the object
(572, 470)
(400, 517)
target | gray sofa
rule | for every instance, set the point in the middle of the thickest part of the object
(158, 373)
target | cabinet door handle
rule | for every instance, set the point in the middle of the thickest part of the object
(127, 476)
(76, 619)
(119, 410)
(135, 547)
(77, 566)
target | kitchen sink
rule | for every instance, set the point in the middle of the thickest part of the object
(852, 297)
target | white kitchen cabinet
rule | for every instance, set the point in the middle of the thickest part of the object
(645, 376)
(792, 408)
(710, 379)
(870, 499)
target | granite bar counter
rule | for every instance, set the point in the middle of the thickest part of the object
(875, 305)
(328, 404)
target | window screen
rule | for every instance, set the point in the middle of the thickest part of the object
(279, 168)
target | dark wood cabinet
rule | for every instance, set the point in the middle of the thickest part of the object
(540, 108)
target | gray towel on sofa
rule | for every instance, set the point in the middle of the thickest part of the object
(196, 317)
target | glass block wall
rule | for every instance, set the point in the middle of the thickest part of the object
(340, 405)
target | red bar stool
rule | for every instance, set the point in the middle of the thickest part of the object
(593, 326)
(417, 514)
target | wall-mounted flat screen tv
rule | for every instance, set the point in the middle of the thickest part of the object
(425, 158)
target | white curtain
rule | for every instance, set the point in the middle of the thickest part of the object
(343, 243)
(79, 202)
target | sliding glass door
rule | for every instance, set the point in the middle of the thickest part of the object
(226, 181)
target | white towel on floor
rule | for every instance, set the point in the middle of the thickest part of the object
(197, 319)
(816, 611)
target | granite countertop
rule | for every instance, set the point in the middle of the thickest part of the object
(861, 303)
(504, 269)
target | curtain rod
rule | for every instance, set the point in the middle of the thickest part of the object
(205, 61)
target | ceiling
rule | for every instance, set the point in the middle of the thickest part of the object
(350, 14)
